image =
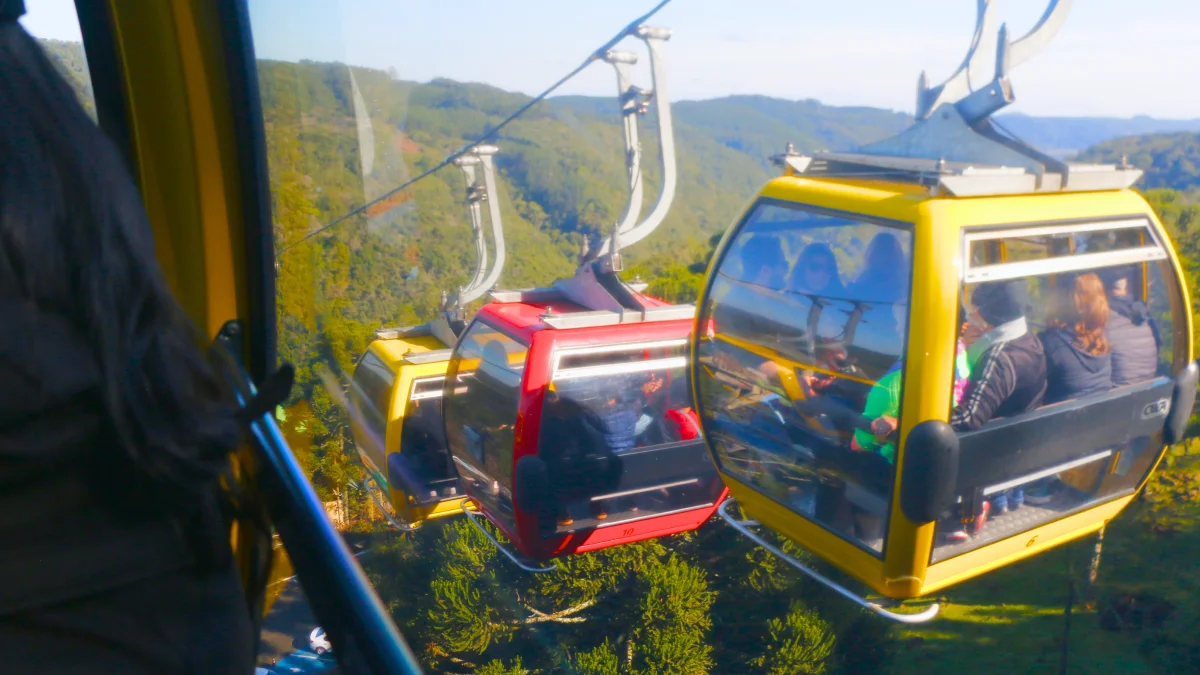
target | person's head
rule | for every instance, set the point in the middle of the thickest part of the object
(1116, 281)
(763, 261)
(75, 244)
(999, 302)
(1082, 308)
(817, 269)
(884, 253)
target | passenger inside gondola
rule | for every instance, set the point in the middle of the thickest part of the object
(816, 272)
(794, 365)
(573, 445)
(1131, 331)
(1078, 356)
(885, 275)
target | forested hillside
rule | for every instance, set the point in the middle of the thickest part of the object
(703, 603)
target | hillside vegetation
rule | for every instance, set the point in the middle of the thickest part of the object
(1170, 160)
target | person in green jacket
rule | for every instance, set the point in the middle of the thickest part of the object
(884, 401)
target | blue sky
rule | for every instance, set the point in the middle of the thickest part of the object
(1109, 58)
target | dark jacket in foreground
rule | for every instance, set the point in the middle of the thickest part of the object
(1008, 379)
(73, 521)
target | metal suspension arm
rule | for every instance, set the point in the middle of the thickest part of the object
(983, 43)
(475, 194)
(630, 107)
(485, 153)
(655, 39)
(977, 105)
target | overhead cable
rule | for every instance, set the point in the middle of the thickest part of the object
(599, 53)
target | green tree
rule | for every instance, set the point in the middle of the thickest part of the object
(671, 637)
(801, 643)
(599, 661)
(497, 667)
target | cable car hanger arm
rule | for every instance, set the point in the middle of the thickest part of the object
(481, 155)
(655, 39)
(630, 106)
(977, 105)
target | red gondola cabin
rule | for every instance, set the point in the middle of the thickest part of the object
(571, 429)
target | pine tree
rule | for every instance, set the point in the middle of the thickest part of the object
(599, 661)
(671, 635)
(801, 643)
(497, 667)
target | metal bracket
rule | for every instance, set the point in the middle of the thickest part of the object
(655, 39)
(505, 551)
(743, 526)
(629, 97)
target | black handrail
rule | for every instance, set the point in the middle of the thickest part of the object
(364, 638)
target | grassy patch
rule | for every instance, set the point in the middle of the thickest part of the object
(1012, 621)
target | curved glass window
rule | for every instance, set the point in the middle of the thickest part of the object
(482, 392)
(1069, 333)
(423, 439)
(803, 352)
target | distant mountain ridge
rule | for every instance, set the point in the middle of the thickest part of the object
(760, 125)
(1062, 136)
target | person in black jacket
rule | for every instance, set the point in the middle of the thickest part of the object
(1078, 358)
(1008, 376)
(1008, 372)
(1131, 333)
(113, 432)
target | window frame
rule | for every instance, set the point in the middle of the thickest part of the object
(974, 274)
(559, 373)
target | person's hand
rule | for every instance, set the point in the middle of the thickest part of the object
(855, 446)
(970, 333)
(652, 386)
(769, 368)
(807, 380)
(883, 426)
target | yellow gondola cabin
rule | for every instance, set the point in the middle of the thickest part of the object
(896, 523)
(883, 353)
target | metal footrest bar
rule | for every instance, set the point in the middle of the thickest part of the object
(511, 556)
(741, 526)
(370, 486)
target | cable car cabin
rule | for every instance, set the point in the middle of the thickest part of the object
(397, 389)
(396, 396)
(573, 430)
(919, 429)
